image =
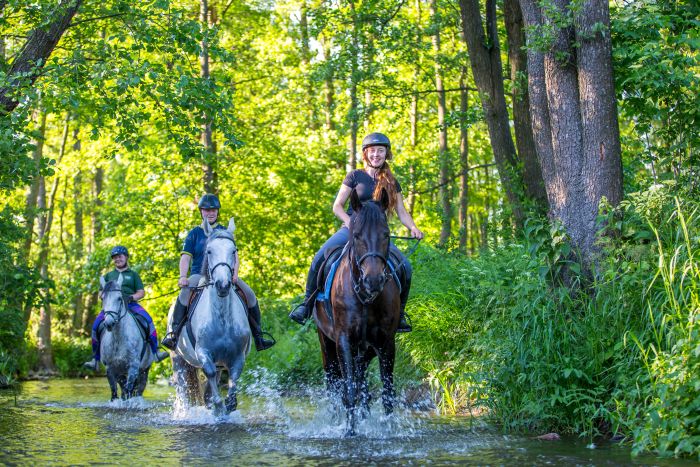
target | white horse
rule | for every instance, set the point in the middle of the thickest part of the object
(123, 347)
(217, 332)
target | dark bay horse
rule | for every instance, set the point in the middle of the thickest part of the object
(366, 306)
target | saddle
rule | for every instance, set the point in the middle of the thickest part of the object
(328, 268)
(140, 320)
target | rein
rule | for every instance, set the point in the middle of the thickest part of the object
(356, 282)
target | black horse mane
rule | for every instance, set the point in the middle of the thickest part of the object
(215, 234)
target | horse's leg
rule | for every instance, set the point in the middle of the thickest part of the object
(141, 382)
(361, 378)
(131, 380)
(331, 365)
(112, 383)
(209, 369)
(387, 355)
(347, 368)
(234, 372)
(186, 382)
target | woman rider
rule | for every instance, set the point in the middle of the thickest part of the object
(193, 251)
(132, 289)
(368, 182)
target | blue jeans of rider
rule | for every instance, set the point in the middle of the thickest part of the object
(134, 308)
(339, 239)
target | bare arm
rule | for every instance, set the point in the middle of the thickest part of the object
(184, 269)
(138, 295)
(406, 218)
(339, 204)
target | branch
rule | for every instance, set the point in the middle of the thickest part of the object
(464, 172)
(35, 52)
(97, 18)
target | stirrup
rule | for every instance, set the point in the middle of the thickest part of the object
(169, 341)
(263, 344)
(298, 316)
(404, 324)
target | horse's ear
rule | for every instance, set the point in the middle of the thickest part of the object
(355, 202)
(207, 227)
(231, 226)
(102, 282)
(384, 200)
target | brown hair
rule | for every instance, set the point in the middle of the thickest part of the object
(385, 180)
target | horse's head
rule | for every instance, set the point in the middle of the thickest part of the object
(219, 258)
(369, 242)
(113, 304)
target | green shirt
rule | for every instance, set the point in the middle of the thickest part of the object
(131, 282)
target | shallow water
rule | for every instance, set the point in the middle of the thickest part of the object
(73, 422)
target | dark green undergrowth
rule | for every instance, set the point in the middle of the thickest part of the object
(620, 355)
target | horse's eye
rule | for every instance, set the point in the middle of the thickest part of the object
(208, 252)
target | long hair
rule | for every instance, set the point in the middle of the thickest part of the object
(385, 180)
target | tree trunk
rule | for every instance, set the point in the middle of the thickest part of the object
(89, 311)
(26, 68)
(464, 162)
(575, 119)
(443, 154)
(485, 60)
(32, 193)
(329, 89)
(527, 151)
(77, 243)
(306, 63)
(209, 179)
(353, 112)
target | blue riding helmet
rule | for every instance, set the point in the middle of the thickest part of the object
(376, 139)
(118, 250)
(209, 201)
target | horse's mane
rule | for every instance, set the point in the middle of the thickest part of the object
(112, 286)
(370, 215)
(214, 235)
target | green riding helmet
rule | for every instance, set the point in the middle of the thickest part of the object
(119, 250)
(376, 139)
(209, 201)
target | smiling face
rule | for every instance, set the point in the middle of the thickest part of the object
(119, 261)
(375, 156)
(211, 215)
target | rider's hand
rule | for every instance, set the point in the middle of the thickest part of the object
(416, 233)
(182, 282)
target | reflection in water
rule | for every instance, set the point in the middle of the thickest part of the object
(71, 422)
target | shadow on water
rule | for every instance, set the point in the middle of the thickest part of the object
(72, 422)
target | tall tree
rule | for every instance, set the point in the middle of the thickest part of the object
(210, 182)
(487, 70)
(574, 113)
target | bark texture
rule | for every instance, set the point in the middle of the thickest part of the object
(574, 117)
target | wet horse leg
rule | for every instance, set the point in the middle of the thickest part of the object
(363, 362)
(348, 370)
(130, 384)
(209, 369)
(234, 372)
(331, 366)
(186, 382)
(112, 383)
(387, 355)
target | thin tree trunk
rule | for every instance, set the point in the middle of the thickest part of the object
(209, 180)
(89, 311)
(32, 193)
(77, 243)
(464, 162)
(329, 88)
(414, 113)
(306, 63)
(353, 112)
(527, 151)
(485, 60)
(443, 155)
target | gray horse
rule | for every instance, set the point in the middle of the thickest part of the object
(124, 348)
(217, 333)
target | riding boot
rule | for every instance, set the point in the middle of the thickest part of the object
(404, 325)
(300, 313)
(93, 364)
(179, 314)
(254, 321)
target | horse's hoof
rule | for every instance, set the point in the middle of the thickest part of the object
(350, 432)
(231, 404)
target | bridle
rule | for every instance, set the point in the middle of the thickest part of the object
(210, 270)
(116, 315)
(364, 297)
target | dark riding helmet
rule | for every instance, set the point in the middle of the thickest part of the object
(118, 250)
(209, 201)
(376, 139)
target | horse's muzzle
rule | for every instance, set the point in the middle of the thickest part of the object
(223, 288)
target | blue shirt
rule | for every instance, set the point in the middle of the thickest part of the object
(195, 243)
